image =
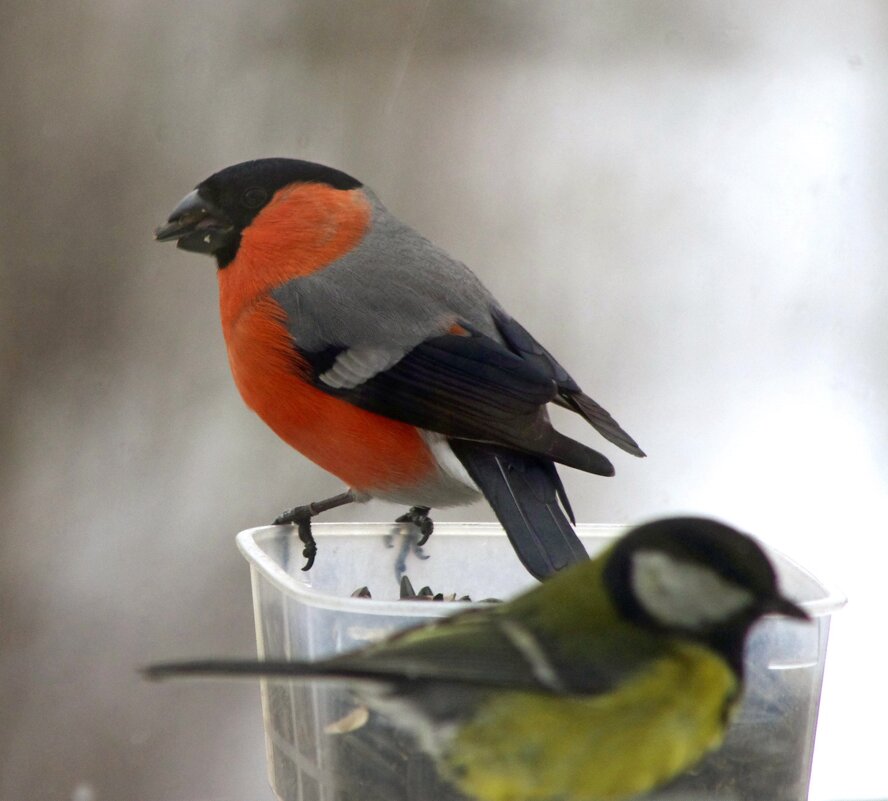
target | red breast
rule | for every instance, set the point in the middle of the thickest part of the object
(304, 228)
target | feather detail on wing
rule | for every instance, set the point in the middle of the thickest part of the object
(353, 366)
(570, 396)
(473, 649)
(463, 386)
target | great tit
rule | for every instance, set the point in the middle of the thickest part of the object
(607, 680)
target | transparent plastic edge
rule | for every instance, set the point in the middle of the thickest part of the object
(835, 598)
(248, 544)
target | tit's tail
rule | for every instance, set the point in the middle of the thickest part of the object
(232, 668)
(348, 669)
(524, 491)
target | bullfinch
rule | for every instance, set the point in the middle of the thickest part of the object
(383, 359)
(601, 683)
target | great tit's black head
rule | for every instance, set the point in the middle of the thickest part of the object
(696, 577)
(210, 218)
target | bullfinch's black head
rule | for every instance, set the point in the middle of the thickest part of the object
(697, 578)
(210, 219)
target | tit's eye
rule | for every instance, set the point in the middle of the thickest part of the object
(254, 197)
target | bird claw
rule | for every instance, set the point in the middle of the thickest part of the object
(311, 548)
(419, 516)
(301, 517)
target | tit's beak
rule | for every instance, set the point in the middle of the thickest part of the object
(197, 225)
(780, 605)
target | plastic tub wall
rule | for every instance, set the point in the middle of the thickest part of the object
(767, 754)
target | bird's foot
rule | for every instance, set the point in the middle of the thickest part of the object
(412, 540)
(419, 516)
(301, 516)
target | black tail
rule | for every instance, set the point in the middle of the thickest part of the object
(230, 668)
(601, 421)
(524, 491)
(567, 451)
(250, 668)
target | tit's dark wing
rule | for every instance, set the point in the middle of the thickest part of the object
(494, 653)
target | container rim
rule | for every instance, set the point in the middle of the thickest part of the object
(248, 543)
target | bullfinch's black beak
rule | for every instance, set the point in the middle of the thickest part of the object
(197, 225)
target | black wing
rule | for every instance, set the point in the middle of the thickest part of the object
(465, 386)
(473, 649)
(569, 394)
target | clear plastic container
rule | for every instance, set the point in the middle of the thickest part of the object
(766, 757)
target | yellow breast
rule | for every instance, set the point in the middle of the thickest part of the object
(534, 747)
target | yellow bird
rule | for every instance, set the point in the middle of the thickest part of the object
(604, 682)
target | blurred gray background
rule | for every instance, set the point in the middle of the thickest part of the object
(685, 201)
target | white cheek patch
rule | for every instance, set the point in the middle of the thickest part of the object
(685, 594)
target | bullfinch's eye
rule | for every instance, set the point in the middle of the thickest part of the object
(254, 197)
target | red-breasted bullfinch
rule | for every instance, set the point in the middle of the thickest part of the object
(383, 359)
